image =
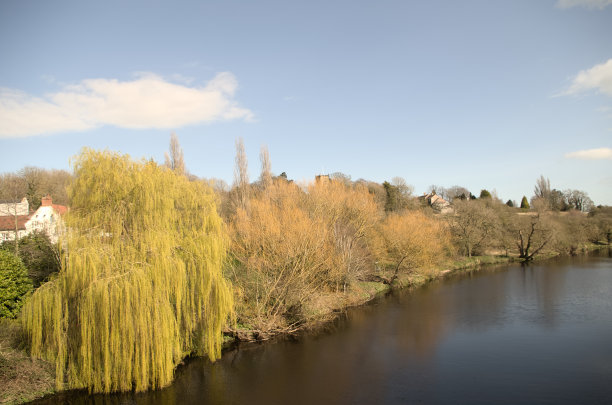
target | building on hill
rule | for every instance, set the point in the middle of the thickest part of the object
(11, 224)
(17, 220)
(12, 208)
(436, 202)
(47, 218)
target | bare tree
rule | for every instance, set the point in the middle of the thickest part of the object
(542, 188)
(34, 179)
(266, 174)
(241, 175)
(473, 225)
(457, 192)
(403, 187)
(578, 200)
(439, 190)
(175, 160)
(533, 233)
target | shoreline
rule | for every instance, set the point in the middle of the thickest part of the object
(34, 379)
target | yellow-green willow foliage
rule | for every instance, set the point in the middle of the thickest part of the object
(140, 285)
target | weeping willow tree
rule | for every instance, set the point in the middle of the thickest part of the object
(141, 284)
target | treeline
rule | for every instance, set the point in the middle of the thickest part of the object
(34, 183)
(158, 263)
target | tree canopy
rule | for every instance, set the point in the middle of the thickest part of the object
(140, 285)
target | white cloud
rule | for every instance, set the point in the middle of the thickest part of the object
(591, 154)
(599, 77)
(600, 4)
(149, 101)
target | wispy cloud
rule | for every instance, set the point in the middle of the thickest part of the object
(591, 154)
(599, 78)
(599, 4)
(149, 101)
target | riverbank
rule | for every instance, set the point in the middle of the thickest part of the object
(22, 378)
(25, 379)
(363, 292)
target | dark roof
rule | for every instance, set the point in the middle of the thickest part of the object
(7, 222)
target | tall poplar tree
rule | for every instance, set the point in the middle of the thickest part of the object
(140, 285)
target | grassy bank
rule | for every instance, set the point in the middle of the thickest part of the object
(22, 378)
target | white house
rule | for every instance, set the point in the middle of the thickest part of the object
(13, 208)
(436, 202)
(47, 219)
(15, 218)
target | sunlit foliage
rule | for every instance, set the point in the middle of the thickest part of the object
(411, 241)
(350, 215)
(280, 257)
(140, 285)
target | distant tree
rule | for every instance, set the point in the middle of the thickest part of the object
(457, 192)
(441, 191)
(578, 200)
(404, 188)
(485, 194)
(393, 197)
(175, 160)
(241, 176)
(542, 188)
(509, 203)
(557, 201)
(341, 177)
(524, 203)
(34, 178)
(14, 284)
(35, 183)
(473, 197)
(473, 225)
(601, 218)
(266, 174)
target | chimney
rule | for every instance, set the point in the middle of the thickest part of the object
(47, 201)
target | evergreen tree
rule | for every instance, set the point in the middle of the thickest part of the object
(509, 203)
(14, 284)
(140, 285)
(393, 200)
(485, 194)
(524, 203)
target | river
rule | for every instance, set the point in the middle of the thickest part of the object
(539, 334)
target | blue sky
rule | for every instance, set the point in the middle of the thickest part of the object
(481, 94)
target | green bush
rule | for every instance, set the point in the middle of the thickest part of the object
(14, 284)
(38, 254)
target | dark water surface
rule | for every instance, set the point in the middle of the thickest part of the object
(540, 334)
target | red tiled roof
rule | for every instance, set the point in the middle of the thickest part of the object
(7, 222)
(47, 201)
(60, 209)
